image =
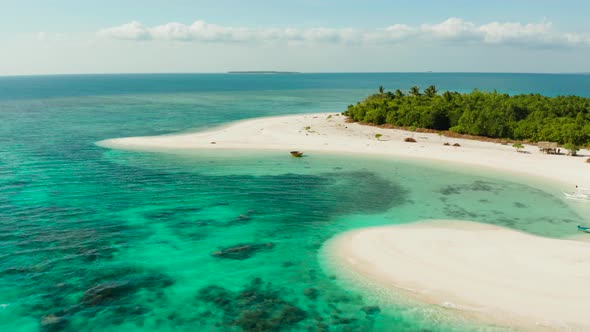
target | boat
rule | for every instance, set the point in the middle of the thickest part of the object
(579, 193)
(584, 229)
(297, 154)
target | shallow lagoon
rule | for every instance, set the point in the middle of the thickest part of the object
(150, 242)
(103, 240)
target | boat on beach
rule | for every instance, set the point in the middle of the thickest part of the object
(579, 193)
(297, 154)
(584, 229)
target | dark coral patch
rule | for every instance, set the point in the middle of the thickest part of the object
(258, 307)
(242, 251)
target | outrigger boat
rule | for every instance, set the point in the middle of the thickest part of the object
(584, 229)
(579, 193)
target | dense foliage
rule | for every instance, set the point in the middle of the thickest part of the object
(533, 117)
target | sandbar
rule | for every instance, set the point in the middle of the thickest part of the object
(492, 273)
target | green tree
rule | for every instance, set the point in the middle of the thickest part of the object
(572, 148)
(518, 146)
(415, 91)
(562, 119)
(430, 91)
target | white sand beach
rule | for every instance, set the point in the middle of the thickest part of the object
(329, 132)
(492, 273)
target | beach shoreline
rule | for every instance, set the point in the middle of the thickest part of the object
(331, 133)
(484, 273)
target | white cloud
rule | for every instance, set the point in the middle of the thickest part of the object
(453, 30)
(129, 31)
(499, 32)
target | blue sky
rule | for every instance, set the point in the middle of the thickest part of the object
(67, 36)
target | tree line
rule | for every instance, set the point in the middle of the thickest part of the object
(530, 117)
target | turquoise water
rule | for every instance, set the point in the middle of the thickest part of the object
(93, 239)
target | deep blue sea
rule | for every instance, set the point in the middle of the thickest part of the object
(93, 239)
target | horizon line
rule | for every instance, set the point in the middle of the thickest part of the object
(279, 72)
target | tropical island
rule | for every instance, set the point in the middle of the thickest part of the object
(523, 117)
(463, 266)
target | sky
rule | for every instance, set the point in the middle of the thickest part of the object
(148, 36)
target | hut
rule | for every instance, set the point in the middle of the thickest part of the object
(548, 147)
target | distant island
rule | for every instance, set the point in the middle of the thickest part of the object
(527, 117)
(261, 72)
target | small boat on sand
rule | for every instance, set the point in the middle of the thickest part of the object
(579, 193)
(584, 229)
(297, 154)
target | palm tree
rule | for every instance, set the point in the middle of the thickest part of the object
(430, 91)
(399, 93)
(415, 91)
(448, 96)
(381, 90)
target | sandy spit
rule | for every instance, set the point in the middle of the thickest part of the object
(329, 132)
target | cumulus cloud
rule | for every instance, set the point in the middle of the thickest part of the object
(129, 31)
(451, 30)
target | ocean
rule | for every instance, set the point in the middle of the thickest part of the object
(93, 239)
